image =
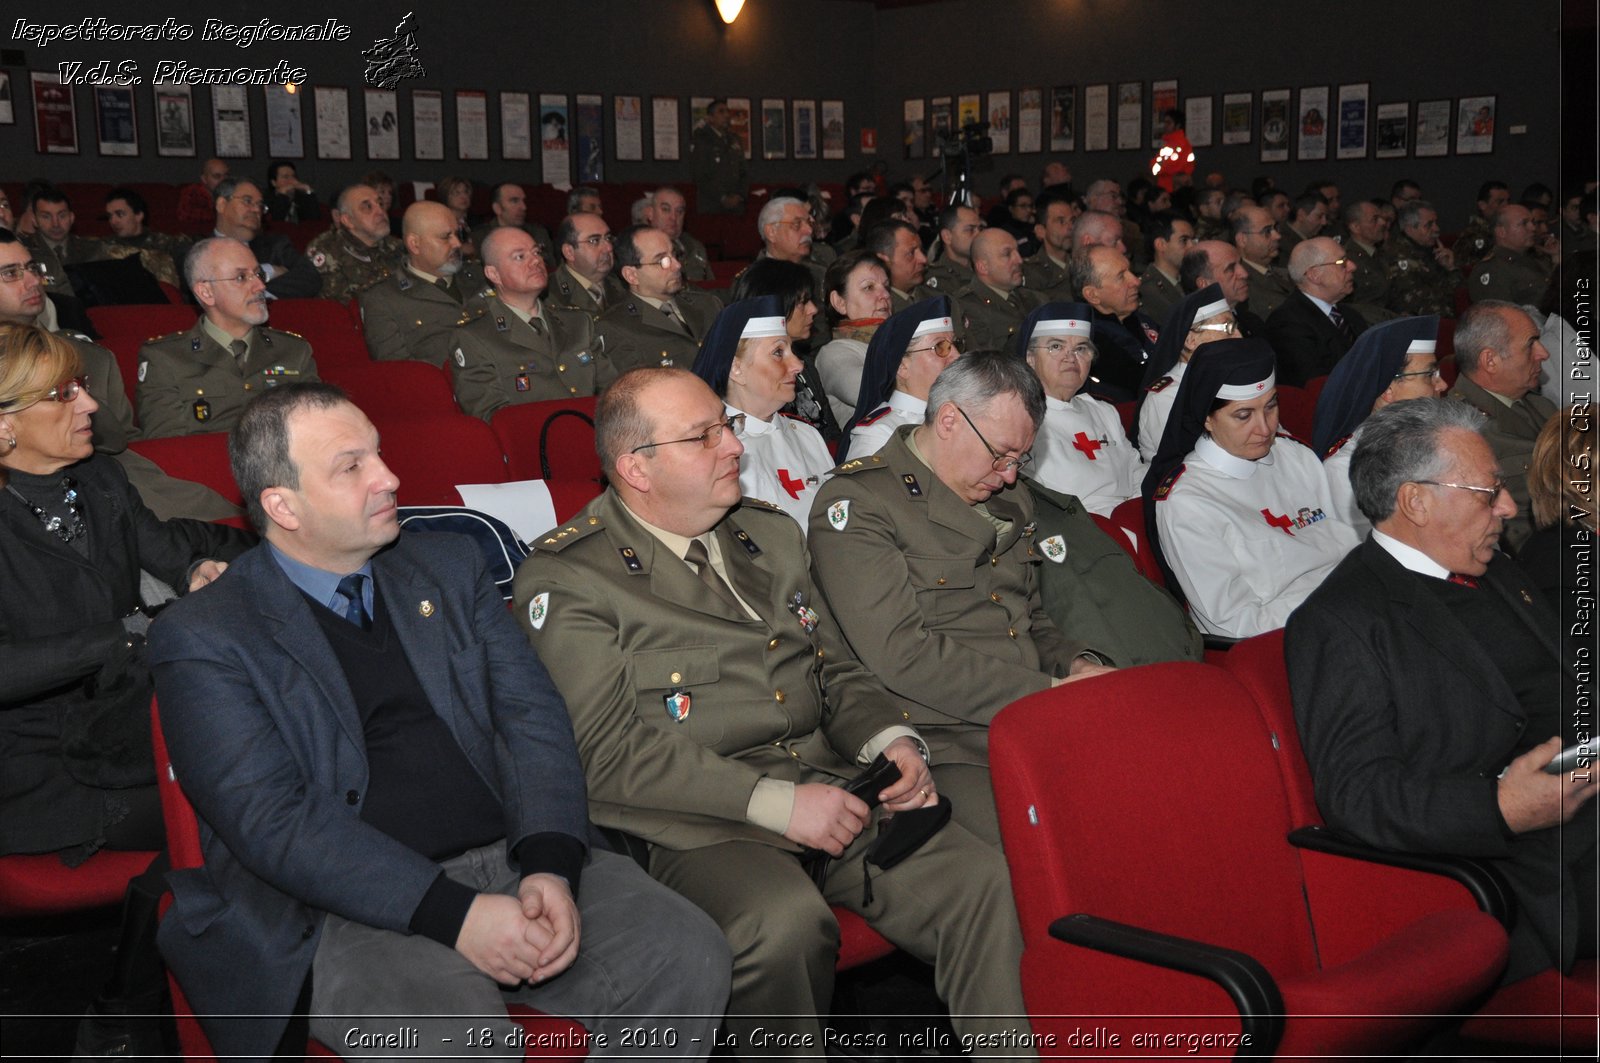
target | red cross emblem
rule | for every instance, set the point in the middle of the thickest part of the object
(1279, 522)
(1082, 442)
(790, 484)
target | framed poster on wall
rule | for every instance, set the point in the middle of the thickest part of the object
(175, 121)
(774, 129)
(1433, 128)
(332, 108)
(230, 122)
(285, 138)
(116, 131)
(1353, 103)
(55, 115)
(1275, 125)
(1392, 131)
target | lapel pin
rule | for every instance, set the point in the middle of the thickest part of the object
(425, 607)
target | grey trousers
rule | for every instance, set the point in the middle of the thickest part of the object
(650, 981)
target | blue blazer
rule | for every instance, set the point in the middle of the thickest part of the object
(267, 743)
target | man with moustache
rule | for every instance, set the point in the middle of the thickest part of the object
(359, 251)
(200, 380)
(584, 280)
(414, 313)
(661, 322)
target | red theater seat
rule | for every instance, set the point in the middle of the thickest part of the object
(431, 453)
(202, 458)
(551, 440)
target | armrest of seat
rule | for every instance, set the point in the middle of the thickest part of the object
(1254, 992)
(1486, 886)
(1222, 643)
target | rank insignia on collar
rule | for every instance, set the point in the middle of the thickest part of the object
(748, 543)
(539, 609)
(1054, 548)
(194, 344)
(678, 703)
(1525, 597)
(500, 323)
(1029, 528)
(631, 559)
(202, 410)
(913, 488)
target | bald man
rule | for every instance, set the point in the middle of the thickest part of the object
(995, 302)
(413, 313)
(1314, 327)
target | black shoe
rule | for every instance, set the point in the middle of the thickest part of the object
(109, 1034)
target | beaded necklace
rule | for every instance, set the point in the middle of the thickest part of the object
(53, 524)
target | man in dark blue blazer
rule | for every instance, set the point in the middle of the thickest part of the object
(1430, 687)
(1312, 329)
(389, 795)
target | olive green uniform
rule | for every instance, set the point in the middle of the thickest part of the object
(948, 276)
(683, 706)
(719, 169)
(76, 249)
(190, 383)
(348, 266)
(1158, 296)
(1473, 242)
(541, 239)
(1519, 277)
(501, 360)
(633, 333)
(695, 258)
(406, 316)
(1510, 432)
(1044, 275)
(1268, 289)
(1370, 294)
(992, 319)
(1418, 284)
(567, 291)
(1089, 586)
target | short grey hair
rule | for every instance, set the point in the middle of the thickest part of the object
(640, 205)
(1410, 212)
(1483, 325)
(1094, 219)
(773, 212)
(1303, 259)
(196, 263)
(258, 446)
(576, 197)
(977, 379)
(1403, 443)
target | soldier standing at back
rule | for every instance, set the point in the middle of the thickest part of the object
(412, 314)
(720, 173)
(358, 251)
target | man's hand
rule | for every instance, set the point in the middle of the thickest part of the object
(1530, 799)
(205, 572)
(825, 817)
(915, 787)
(494, 938)
(548, 905)
(1082, 668)
(1444, 256)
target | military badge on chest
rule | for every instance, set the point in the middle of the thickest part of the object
(678, 703)
(804, 613)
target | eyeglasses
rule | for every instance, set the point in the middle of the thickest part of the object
(1265, 230)
(597, 239)
(660, 260)
(1493, 492)
(1056, 347)
(797, 224)
(64, 392)
(1002, 462)
(13, 273)
(1227, 328)
(708, 439)
(244, 276)
(1435, 373)
(249, 202)
(942, 349)
(1335, 262)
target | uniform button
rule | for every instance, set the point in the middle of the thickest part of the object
(572, 391)
(677, 677)
(904, 715)
(247, 387)
(795, 753)
(561, 369)
(994, 561)
(1011, 631)
(308, 933)
(779, 696)
(940, 581)
(351, 798)
(819, 655)
(994, 597)
(594, 520)
(772, 645)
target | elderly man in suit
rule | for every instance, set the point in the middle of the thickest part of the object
(1430, 688)
(1312, 329)
(389, 795)
(693, 649)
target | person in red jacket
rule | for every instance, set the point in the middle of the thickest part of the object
(1176, 158)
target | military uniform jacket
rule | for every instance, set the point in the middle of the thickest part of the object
(1371, 280)
(1081, 450)
(695, 258)
(1248, 540)
(991, 319)
(407, 317)
(113, 421)
(940, 607)
(1474, 242)
(1158, 295)
(500, 360)
(946, 276)
(1269, 288)
(190, 383)
(1514, 276)
(1091, 588)
(1511, 432)
(541, 239)
(76, 249)
(719, 168)
(1417, 283)
(679, 703)
(632, 333)
(348, 266)
(566, 290)
(1041, 274)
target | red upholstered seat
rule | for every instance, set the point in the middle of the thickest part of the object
(1129, 519)
(1297, 412)
(385, 389)
(1146, 826)
(34, 885)
(326, 324)
(124, 329)
(431, 453)
(202, 458)
(551, 440)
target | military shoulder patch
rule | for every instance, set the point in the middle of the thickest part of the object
(839, 514)
(1166, 485)
(1160, 385)
(539, 609)
(1337, 446)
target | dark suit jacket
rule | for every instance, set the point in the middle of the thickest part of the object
(60, 623)
(297, 277)
(266, 741)
(1305, 340)
(1124, 347)
(1406, 726)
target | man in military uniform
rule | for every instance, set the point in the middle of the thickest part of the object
(160, 253)
(952, 267)
(718, 713)
(1421, 270)
(200, 380)
(510, 207)
(1307, 219)
(290, 275)
(1476, 240)
(1366, 231)
(1046, 271)
(926, 555)
(993, 305)
(1170, 239)
(666, 212)
(1500, 357)
(1124, 336)
(660, 322)
(1513, 272)
(720, 174)
(413, 313)
(54, 243)
(523, 349)
(585, 281)
(359, 251)
(1210, 207)
(1260, 247)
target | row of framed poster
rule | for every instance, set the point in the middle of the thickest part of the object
(1345, 122)
(818, 129)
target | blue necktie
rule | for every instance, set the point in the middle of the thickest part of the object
(355, 608)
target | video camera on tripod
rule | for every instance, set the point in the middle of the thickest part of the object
(958, 148)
